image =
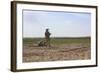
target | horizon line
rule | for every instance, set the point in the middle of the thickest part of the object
(61, 37)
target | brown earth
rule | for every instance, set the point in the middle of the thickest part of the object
(33, 53)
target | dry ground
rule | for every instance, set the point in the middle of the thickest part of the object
(32, 53)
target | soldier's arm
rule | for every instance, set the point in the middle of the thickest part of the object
(50, 33)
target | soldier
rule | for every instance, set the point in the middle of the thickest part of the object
(47, 37)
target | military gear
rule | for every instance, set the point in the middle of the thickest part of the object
(47, 37)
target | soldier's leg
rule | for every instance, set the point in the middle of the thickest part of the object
(49, 42)
(46, 42)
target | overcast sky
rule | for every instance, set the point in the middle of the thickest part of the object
(60, 24)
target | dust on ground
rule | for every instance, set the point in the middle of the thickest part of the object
(32, 53)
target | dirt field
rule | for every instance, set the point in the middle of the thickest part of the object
(68, 51)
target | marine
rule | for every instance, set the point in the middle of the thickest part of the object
(47, 37)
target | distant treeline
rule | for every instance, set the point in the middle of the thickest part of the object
(59, 40)
(58, 37)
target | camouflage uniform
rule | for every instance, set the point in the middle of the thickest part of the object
(47, 37)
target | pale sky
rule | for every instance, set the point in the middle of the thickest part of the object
(60, 24)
